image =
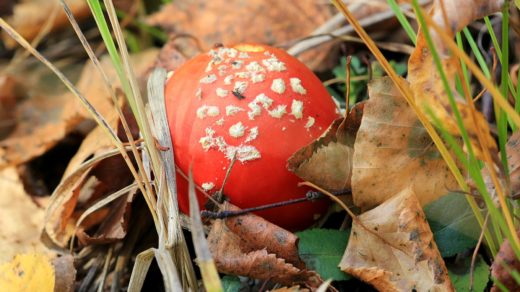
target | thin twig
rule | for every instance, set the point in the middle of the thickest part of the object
(475, 253)
(220, 193)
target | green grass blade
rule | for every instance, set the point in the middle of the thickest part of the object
(476, 51)
(403, 20)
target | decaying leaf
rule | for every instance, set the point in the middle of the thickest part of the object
(393, 150)
(248, 245)
(425, 81)
(42, 121)
(27, 272)
(7, 104)
(30, 16)
(327, 162)
(504, 265)
(84, 183)
(65, 273)
(20, 218)
(230, 22)
(394, 250)
(513, 161)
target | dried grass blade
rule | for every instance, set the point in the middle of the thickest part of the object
(205, 261)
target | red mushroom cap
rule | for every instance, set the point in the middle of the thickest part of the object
(259, 104)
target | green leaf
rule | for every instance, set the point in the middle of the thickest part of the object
(231, 283)
(453, 224)
(459, 274)
(322, 250)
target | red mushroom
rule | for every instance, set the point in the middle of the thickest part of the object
(258, 104)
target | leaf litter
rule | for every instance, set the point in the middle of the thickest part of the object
(248, 245)
(393, 151)
(390, 163)
(397, 252)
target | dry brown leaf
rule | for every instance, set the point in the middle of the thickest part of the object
(42, 121)
(393, 151)
(327, 162)
(82, 186)
(397, 252)
(7, 104)
(230, 22)
(504, 262)
(257, 233)
(513, 161)
(169, 58)
(65, 273)
(250, 246)
(30, 16)
(113, 225)
(21, 219)
(426, 83)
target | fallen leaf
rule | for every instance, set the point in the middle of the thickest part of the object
(8, 100)
(42, 121)
(454, 226)
(169, 58)
(322, 249)
(327, 162)
(393, 151)
(65, 273)
(504, 265)
(425, 80)
(231, 22)
(27, 272)
(513, 161)
(257, 233)
(83, 184)
(391, 247)
(459, 273)
(250, 246)
(21, 219)
(29, 17)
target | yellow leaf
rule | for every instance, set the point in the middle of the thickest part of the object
(27, 272)
(426, 83)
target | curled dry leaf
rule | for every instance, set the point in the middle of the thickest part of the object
(248, 245)
(505, 262)
(42, 121)
(393, 151)
(30, 16)
(21, 219)
(83, 184)
(397, 252)
(426, 83)
(327, 162)
(267, 22)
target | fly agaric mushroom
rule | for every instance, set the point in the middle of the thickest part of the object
(257, 104)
